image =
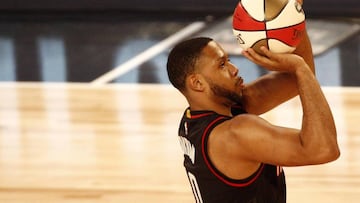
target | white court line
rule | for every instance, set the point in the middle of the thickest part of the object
(148, 54)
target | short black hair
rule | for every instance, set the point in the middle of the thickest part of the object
(182, 59)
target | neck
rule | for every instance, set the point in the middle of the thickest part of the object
(220, 108)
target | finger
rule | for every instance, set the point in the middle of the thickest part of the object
(260, 59)
(247, 55)
(267, 52)
(253, 56)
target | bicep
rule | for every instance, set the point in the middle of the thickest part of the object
(254, 139)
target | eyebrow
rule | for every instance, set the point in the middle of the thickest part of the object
(221, 58)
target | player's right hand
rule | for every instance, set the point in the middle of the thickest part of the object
(275, 61)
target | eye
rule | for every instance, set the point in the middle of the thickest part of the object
(224, 62)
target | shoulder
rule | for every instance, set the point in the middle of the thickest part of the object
(228, 144)
(241, 130)
(241, 135)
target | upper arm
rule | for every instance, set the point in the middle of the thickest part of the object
(249, 138)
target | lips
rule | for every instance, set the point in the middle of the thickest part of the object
(240, 81)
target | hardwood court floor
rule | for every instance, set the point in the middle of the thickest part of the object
(118, 143)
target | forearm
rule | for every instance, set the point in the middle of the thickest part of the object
(318, 132)
(269, 91)
(277, 87)
(286, 81)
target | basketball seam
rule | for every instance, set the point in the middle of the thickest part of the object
(279, 28)
(266, 33)
(264, 39)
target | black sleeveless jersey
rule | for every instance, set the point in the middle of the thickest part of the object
(209, 185)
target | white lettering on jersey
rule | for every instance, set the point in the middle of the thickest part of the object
(187, 148)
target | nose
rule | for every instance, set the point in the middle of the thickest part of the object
(234, 70)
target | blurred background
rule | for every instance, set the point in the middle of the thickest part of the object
(81, 40)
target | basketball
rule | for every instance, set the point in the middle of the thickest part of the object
(275, 24)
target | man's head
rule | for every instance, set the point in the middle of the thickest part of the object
(182, 60)
(200, 66)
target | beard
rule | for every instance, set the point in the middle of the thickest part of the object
(230, 95)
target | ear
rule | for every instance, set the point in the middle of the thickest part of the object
(196, 82)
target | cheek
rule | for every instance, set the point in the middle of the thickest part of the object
(225, 79)
(220, 78)
(222, 75)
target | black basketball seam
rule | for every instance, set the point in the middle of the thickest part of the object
(267, 37)
(263, 39)
(278, 28)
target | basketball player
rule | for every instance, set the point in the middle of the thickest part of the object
(231, 154)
